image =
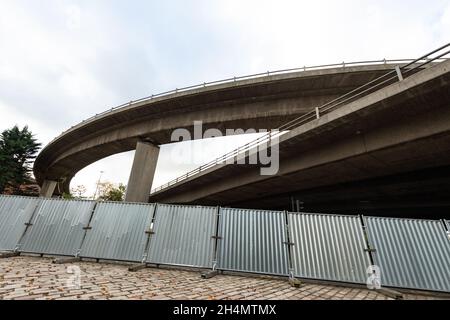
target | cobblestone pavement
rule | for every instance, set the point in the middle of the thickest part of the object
(37, 278)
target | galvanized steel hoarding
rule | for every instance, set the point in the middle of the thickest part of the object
(183, 235)
(328, 247)
(15, 212)
(253, 241)
(411, 253)
(118, 231)
(57, 227)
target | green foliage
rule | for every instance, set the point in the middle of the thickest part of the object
(67, 196)
(110, 192)
(76, 193)
(18, 150)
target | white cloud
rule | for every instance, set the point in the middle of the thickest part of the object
(73, 14)
(295, 33)
(11, 116)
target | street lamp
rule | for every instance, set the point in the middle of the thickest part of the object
(98, 182)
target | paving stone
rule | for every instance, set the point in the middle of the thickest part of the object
(25, 278)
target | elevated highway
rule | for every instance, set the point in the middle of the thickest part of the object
(262, 101)
(389, 149)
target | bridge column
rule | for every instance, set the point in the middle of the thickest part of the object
(48, 188)
(142, 172)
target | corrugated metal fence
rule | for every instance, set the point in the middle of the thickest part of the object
(411, 253)
(253, 241)
(328, 247)
(118, 231)
(15, 213)
(57, 227)
(183, 235)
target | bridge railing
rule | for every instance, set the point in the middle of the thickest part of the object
(403, 69)
(231, 80)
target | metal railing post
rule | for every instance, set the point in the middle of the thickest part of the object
(399, 73)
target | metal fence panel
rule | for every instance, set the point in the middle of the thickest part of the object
(15, 212)
(118, 231)
(411, 253)
(328, 247)
(253, 241)
(57, 227)
(448, 224)
(183, 236)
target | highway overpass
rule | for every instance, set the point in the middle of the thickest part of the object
(387, 152)
(384, 146)
(263, 101)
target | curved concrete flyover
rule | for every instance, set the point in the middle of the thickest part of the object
(260, 103)
(390, 149)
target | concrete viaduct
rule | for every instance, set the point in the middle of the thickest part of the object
(389, 150)
(263, 102)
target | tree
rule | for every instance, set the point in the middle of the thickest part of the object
(78, 192)
(111, 192)
(67, 196)
(18, 149)
(30, 189)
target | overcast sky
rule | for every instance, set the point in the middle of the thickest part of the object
(63, 61)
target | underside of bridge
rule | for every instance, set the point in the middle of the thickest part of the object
(417, 194)
(259, 103)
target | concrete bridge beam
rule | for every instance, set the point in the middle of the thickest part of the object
(48, 188)
(142, 172)
(260, 103)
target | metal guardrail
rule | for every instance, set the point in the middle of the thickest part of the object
(397, 74)
(231, 80)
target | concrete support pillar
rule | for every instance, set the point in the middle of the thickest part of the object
(142, 172)
(48, 188)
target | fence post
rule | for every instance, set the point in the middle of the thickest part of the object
(149, 233)
(294, 282)
(446, 226)
(86, 229)
(369, 248)
(216, 237)
(28, 224)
